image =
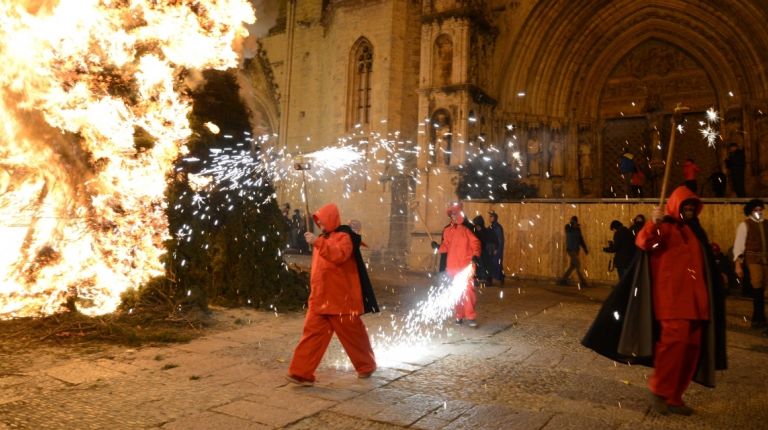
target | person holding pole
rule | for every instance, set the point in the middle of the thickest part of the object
(682, 280)
(670, 314)
(463, 249)
(335, 302)
(685, 292)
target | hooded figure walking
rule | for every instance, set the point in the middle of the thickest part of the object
(339, 295)
(671, 313)
(463, 249)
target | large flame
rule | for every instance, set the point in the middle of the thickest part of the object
(92, 117)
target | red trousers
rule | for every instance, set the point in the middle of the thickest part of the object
(465, 308)
(677, 355)
(318, 330)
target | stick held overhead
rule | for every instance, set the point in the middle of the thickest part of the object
(679, 108)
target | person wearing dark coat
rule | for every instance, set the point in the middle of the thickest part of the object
(574, 241)
(623, 246)
(488, 246)
(736, 164)
(637, 224)
(672, 279)
(719, 182)
(496, 267)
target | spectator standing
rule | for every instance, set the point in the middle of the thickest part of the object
(627, 168)
(718, 180)
(637, 182)
(690, 171)
(574, 241)
(637, 224)
(299, 227)
(750, 248)
(623, 246)
(736, 165)
(685, 304)
(488, 246)
(335, 302)
(497, 262)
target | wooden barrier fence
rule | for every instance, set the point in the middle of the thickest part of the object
(535, 231)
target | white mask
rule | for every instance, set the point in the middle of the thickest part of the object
(757, 216)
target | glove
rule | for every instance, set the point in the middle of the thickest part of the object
(435, 245)
(476, 260)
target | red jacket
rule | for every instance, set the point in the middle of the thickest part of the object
(677, 263)
(690, 170)
(460, 244)
(334, 281)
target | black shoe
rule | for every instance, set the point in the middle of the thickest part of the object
(658, 404)
(681, 410)
(459, 321)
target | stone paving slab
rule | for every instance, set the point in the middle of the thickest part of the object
(213, 420)
(80, 372)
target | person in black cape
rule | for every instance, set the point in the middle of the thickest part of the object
(626, 328)
(370, 305)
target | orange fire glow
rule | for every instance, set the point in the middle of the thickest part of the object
(92, 117)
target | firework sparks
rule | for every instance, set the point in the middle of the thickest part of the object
(413, 333)
(708, 132)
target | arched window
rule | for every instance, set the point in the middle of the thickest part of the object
(440, 137)
(359, 100)
(442, 61)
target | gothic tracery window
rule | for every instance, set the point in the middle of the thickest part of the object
(360, 83)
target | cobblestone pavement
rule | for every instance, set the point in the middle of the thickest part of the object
(522, 368)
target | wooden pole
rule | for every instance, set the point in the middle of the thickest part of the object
(424, 223)
(670, 151)
(308, 216)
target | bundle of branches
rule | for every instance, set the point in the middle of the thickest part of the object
(227, 241)
(486, 178)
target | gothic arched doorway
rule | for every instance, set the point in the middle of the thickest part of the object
(635, 110)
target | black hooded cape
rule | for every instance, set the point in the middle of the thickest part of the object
(370, 305)
(625, 329)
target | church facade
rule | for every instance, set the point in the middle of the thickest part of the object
(555, 89)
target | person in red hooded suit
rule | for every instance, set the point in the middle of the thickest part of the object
(463, 249)
(335, 303)
(681, 296)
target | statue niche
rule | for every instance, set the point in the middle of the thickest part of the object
(556, 160)
(440, 138)
(533, 150)
(442, 61)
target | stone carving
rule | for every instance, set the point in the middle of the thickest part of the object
(441, 139)
(761, 132)
(556, 159)
(585, 157)
(533, 149)
(442, 61)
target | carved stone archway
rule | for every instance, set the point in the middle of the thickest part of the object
(564, 56)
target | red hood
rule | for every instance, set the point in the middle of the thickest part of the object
(329, 216)
(458, 210)
(681, 194)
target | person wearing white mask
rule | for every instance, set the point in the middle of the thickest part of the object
(751, 248)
